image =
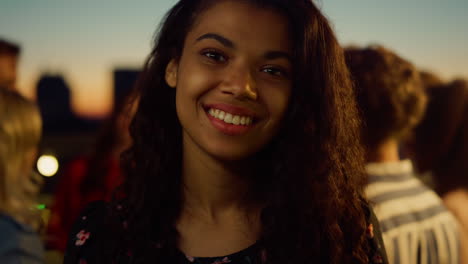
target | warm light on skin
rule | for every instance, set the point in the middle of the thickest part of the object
(47, 165)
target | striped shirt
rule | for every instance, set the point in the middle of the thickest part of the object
(416, 227)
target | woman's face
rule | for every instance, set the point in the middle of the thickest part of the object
(233, 81)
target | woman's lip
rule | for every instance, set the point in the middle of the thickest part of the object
(232, 109)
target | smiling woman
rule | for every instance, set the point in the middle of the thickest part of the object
(245, 146)
(236, 71)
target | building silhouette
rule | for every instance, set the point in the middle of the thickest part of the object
(53, 97)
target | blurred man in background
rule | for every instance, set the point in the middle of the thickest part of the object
(9, 55)
(416, 226)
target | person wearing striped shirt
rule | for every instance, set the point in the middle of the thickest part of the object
(416, 227)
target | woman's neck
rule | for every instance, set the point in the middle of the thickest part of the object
(216, 207)
(214, 188)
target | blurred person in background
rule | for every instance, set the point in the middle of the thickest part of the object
(438, 144)
(93, 177)
(440, 147)
(428, 80)
(416, 226)
(20, 132)
(9, 54)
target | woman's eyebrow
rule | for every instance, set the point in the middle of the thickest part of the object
(271, 55)
(224, 41)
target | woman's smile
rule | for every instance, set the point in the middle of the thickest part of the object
(229, 119)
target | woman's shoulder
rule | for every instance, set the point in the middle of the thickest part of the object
(13, 229)
(92, 216)
(85, 237)
(19, 241)
(10, 230)
(7, 223)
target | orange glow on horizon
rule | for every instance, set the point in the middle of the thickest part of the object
(91, 97)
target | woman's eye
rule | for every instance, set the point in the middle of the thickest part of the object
(275, 71)
(214, 55)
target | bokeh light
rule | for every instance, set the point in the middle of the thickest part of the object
(47, 165)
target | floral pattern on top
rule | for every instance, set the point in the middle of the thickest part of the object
(81, 237)
(83, 249)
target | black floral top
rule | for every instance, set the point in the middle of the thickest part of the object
(83, 246)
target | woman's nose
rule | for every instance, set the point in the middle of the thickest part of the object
(241, 84)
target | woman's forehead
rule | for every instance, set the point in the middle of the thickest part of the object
(241, 21)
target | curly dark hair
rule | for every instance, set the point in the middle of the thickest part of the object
(389, 93)
(440, 144)
(310, 177)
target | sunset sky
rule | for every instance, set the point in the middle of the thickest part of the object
(85, 40)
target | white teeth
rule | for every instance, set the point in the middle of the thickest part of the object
(230, 118)
(236, 120)
(220, 115)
